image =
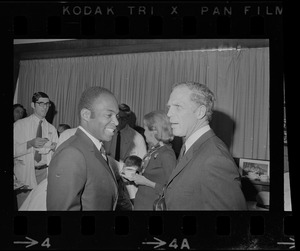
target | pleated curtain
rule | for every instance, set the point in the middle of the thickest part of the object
(239, 79)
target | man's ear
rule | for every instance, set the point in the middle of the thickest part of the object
(85, 114)
(32, 105)
(201, 111)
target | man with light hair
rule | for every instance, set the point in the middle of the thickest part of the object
(206, 176)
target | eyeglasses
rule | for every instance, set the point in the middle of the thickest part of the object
(42, 104)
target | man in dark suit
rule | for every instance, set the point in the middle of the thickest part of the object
(130, 142)
(79, 176)
(206, 176)
(126, 142)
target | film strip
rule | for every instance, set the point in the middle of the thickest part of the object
(273, 229)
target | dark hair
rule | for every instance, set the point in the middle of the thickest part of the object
(38, 95)
(125, 109)
(24, 110)
(130, 116)
(17, 105)
(133, 160)
(89, 96)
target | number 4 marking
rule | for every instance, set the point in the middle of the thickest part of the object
(173, 244)
(46, 243)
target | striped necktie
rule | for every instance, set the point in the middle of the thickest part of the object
(103, 152)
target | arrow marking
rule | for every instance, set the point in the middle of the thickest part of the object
(288, 243)
(158, 244)
(31, 242)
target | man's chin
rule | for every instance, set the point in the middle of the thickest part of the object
(177, 133)
(108, 137)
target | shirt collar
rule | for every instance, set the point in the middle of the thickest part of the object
(97, 143)
(196, 135)
(37, 119)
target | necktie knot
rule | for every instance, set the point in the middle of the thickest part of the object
(103, 152)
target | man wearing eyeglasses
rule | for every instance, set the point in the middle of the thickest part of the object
(34, 142)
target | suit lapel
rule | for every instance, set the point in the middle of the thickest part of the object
(189, 154)
(110, 146)
(112, 171)
(103, 161)
(181, 164)
(92, 148)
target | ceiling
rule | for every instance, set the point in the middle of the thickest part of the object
(31, 41)
(26, 49)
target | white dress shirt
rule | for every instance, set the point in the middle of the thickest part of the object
(25, 130)
(195, 136)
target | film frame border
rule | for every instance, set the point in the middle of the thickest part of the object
(60, 223)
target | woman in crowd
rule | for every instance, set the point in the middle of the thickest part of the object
(19, 112)
(157, 164)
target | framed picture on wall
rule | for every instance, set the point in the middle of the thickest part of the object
(258, 170)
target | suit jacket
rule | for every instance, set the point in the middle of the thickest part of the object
(123, 203)
(79, 177)
(206, 178)
(158, 170)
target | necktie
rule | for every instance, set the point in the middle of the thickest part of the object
(103, 152)
(118, 145)
(37, 155)
(182, 152)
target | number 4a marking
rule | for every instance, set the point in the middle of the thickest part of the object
(46, 243)
(184, 244)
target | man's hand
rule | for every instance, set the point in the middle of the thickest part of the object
(53, 146)
(128, 172)
(38, 142)
(138, 179)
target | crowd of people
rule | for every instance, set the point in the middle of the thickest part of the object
(108, 163)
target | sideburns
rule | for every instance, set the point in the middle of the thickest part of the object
(92, 114)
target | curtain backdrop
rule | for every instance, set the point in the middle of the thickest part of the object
(239, 79)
